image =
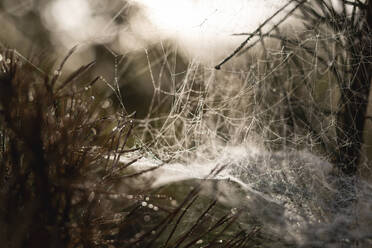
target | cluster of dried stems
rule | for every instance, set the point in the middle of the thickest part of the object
(337, 42)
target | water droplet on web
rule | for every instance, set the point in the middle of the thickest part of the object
(147, 198)
(57, 73)
(91, 196)
(151, 206)
(144, 204)
(30, 96)
(138, 235)
(199, 242)
(174, 203)
(106, 104)
(114, 129)
(147, 218)
(7, 61)
(94, 131)
(156, 208)
(234, 211)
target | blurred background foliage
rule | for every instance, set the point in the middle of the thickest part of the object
(49, 29)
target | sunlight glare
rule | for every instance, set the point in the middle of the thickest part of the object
(203, 28)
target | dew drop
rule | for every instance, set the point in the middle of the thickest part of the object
(144, 204)
(94, 131)
(106, 104)
(234, 211)
(30, 96)
(147, 198)
(7, 61)
(91, 196)
(151, 206)
(156, 208)
(147, 218)
(199, 242)
(138, 235)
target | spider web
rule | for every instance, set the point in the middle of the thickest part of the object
(272, 119)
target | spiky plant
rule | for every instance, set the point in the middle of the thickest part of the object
(63, 183)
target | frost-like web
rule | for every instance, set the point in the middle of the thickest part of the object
(270, 120)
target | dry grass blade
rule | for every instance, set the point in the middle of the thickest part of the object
(258, 30)
(75, 75)
(57, 73)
